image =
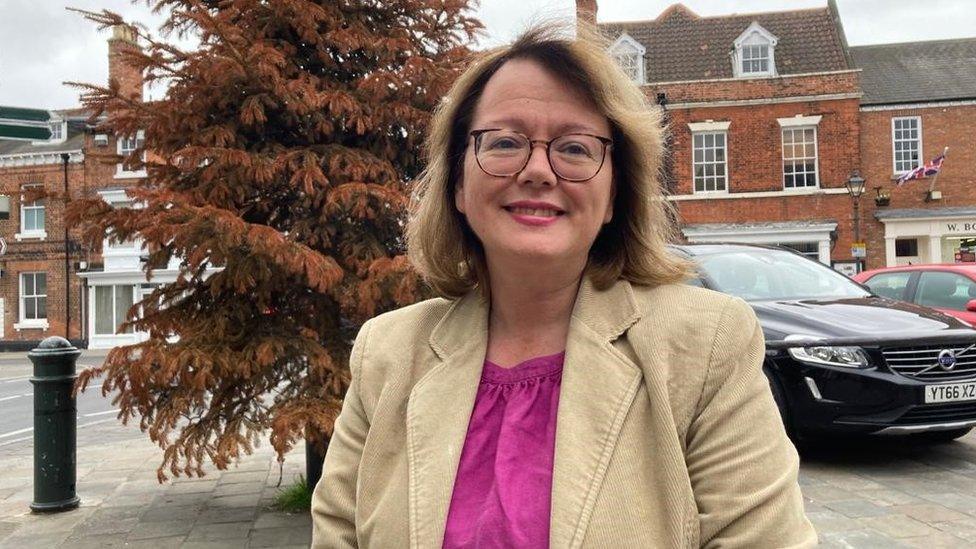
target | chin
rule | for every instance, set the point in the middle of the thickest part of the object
(538, 251)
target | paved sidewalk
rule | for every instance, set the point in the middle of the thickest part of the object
(122, 504)
(891, 492)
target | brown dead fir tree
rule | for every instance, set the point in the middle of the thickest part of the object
(279, 164)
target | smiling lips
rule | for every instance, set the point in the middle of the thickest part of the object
(534, 213)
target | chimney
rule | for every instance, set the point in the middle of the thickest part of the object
(586, 11)
(129, 78)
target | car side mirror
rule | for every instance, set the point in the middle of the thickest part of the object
(971, 305)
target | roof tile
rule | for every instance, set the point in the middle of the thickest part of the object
(910, 72)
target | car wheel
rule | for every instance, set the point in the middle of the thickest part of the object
(940, 437)
(779, 396)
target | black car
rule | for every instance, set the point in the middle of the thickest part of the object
(841, 359)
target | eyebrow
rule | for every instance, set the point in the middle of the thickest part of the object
(516, 124)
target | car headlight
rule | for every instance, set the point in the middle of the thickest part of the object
(850, 357)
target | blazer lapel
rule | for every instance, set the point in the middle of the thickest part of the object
(598, 387)
(438, 412)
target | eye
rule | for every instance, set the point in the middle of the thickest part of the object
(574, 148)
(503, 143)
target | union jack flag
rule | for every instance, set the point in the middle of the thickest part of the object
(925, 170)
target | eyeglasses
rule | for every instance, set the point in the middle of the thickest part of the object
(574, 157)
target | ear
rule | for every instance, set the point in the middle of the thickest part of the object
(608, 215)
(459, 197)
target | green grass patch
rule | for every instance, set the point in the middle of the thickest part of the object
(295, 498)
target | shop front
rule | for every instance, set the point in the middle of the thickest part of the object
(936, 235)
(810, 238)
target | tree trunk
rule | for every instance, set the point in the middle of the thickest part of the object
(313, 463)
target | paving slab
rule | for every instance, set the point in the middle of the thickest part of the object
(219, 532)
(898, 526)
(218, 544)
(276, 537)
(856, 508)
(860, 539)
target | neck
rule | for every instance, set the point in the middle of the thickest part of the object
(533, 298)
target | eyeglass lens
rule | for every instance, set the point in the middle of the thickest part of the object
(574, 157)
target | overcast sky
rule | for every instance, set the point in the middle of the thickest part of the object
(43, 45)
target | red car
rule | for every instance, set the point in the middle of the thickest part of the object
(948, 287)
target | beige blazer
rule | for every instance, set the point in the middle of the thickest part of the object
(666, 433)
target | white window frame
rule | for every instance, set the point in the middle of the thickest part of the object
(754, 35)
(753, 54)
(118, 198)
(58, 131)
(625, 45)
(114, 289)
(30, 322)
(139, 139)
(25, 233)
(710, 128)
(816, 157)
(800, 122)
(894, 141)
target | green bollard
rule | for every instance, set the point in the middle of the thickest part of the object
(55, 425)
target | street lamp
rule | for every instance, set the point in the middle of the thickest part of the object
(855, 187)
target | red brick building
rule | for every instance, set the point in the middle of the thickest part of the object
(49, 284)
(771, 114)
(919, 98)
(763, 114)
(35, 300)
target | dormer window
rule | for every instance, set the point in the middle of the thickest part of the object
(755, 59)
(629, 54)
(754, 52)
(57, 130)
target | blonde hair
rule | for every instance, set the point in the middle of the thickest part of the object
(632, 246)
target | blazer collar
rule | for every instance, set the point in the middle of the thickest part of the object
(608, 313)
(588, 421)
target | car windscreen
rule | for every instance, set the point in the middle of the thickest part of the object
(773, 274)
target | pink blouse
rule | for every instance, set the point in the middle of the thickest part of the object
(503, 487)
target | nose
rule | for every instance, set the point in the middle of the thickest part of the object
(537, 170)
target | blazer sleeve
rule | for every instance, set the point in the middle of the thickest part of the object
(334, 498)
(743, 468)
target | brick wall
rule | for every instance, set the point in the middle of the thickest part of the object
(755, 151)
(755, 165)
(758, 88)
(35, 255)
(946, 126)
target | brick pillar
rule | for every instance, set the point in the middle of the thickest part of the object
(129, 77)
(586, 11)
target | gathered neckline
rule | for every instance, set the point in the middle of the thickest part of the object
(539, 366)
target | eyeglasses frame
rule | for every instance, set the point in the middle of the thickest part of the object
(606, 141)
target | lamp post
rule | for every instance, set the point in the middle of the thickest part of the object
(65, 157)
(855, 187)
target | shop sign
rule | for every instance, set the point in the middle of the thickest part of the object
(956, 227)
(859, 249)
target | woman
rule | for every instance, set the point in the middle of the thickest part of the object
(568, 390)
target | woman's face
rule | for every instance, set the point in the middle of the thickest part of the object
(534, 215)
